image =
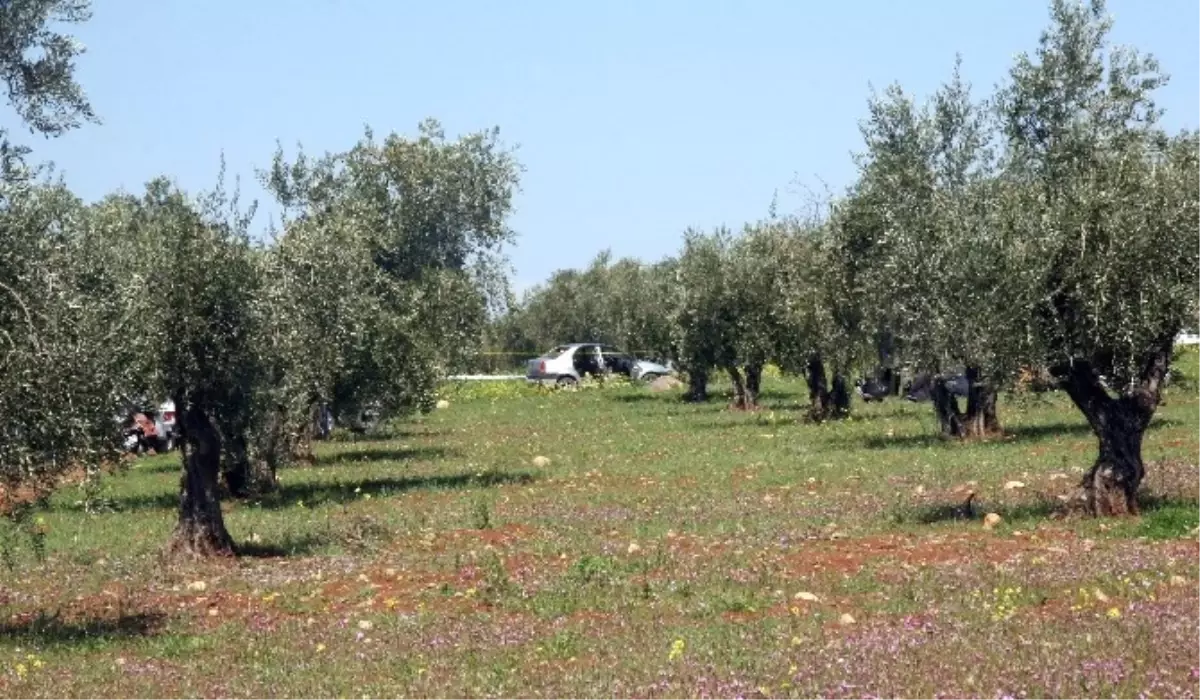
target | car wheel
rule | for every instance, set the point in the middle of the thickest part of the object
(566, 382)
(649, 377)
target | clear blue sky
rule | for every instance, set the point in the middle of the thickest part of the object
(634, 119)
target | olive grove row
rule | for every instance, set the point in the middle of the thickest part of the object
(379, 274)
(1049, 228)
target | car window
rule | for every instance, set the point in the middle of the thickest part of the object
(557, 352)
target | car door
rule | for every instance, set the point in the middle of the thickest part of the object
(616, 361)
(587, 360)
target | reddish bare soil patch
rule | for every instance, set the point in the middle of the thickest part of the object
(850, 556)
(502, 536)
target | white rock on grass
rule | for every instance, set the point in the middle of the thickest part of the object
(541, 462)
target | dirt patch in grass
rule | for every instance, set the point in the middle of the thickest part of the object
(909, 550)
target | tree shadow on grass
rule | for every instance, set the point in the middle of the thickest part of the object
(385, 454)
(51, 630)
(289, 546)
(313, 493)
(1040, 509)
(950, 512)
(1017, 433)
(316, 493)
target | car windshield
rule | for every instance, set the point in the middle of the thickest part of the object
(556, 352)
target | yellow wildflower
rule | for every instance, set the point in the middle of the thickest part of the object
(21, 670)
(1113, 613)
(676, 650)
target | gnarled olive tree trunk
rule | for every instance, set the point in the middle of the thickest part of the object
(697, 385)
(739, 386)
(981, 419)
(826, 403)
(945, 407)
(1119, 424)
(753, 384)
(200, 530)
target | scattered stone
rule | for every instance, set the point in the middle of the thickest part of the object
(920, 490)
(805, 595)
(389, 572)
(365, 625)
(541, 462)
(443, 404)
(1009, 486)
(838, 535)
(846, 619)
(1056, 476)
(197, 586)
(634, 548)
(213, 612)
(1178, 580)
(665, 383)
(1100, 595)
(991, 520)
(812, 479)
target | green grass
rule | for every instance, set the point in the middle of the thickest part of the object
(660, 553)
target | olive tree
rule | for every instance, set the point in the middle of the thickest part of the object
(383, 268)
(37, 64)
(193, 329)
(949, 277)
(703, 316)
(1110, 201)
(62, 362)
(60, 375)
(827, 267)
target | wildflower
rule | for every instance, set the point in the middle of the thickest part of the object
(676, 650)
(796, 641)
(21, 670)
(37, 663)
(391, 603)
(320, 647)
(1113, 613)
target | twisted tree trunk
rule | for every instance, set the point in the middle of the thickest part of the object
(945, 407)
(236, 466)
(697, 385)
(826, 403)
(840, 395)
(739, 387)
(200, 531)
(1119, 425)
(818, 389)
(981, 419)
(753, 384)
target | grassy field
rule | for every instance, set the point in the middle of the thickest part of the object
(665, 550)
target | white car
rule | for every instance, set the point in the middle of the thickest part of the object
(565, 365)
